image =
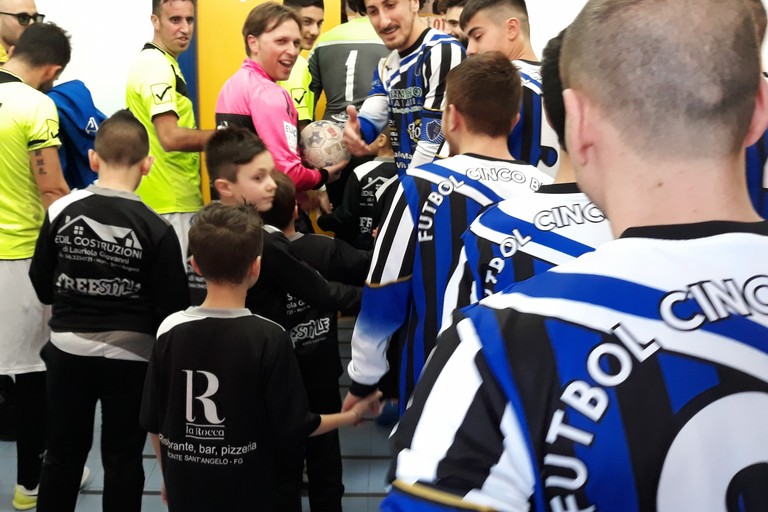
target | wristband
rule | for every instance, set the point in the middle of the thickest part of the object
(323, 179)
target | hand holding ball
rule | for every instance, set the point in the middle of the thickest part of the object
(322, 144)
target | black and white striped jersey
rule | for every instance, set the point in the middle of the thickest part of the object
(417, 251)
(634, 378)
(523, 236)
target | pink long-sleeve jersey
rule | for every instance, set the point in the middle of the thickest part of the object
(251, 99)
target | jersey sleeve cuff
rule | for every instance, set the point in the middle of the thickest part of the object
(361, 390)
(323, 179)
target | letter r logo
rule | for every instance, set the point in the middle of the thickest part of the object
(209, 408)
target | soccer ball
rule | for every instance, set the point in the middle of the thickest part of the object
(322, 144)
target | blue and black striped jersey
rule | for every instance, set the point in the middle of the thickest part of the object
(634, 378)
(408, 96)
(416, 252)
(532, 140)
(521, 237)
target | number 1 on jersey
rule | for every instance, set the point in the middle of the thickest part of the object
(350, 83)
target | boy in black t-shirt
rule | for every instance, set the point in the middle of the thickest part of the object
(241, 170)
(313, 332)
(356, 216)
(110, 267)
(223, 398)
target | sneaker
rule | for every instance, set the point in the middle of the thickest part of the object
(24, 499)
(84, 479)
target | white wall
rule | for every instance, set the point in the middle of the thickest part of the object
(107, 35)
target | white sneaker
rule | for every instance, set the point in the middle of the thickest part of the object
(84, 479)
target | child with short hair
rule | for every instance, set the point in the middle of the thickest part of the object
(314, 334)
(241, 170)
(110, 267)
(357, 216)
(223, 398)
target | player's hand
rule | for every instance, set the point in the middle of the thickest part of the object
(324, 202)
(164, 494)
(334, 171)
(367, 406)
(352, 140)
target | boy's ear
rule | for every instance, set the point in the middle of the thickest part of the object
(223, 187)
(295, 215)
(256, 268)
(93, 160)
(146, 164)
(513, 28)
(454, 118)
(194, 266)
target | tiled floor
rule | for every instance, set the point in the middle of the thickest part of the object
(364, 451)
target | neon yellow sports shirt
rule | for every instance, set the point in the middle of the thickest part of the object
(156, 86)
(28, 121)
(298, 86)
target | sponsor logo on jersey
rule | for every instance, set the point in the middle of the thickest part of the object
(291, 135)
(92, 127)
(568, 215)
(84, 239)
(207, 425)
(712, 301)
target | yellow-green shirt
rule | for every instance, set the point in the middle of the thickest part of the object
(3, 56)
(298, 86)
(156, 86)
(28, 121)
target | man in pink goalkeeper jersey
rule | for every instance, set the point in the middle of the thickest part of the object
(252, 99)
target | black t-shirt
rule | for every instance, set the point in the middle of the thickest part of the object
(224, 392)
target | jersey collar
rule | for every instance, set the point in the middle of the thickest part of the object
(696, 230)
(255, 66)
(8, 77)
(415, 45)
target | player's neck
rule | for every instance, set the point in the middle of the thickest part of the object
(642, 192)
(118, 179)
(225, 296)
(565, 171)
(524, 52)
(157, 43)
(289, 230)
(28, 75)
(490, 147)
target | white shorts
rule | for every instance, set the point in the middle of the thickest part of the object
(181, 223)
(23, 320)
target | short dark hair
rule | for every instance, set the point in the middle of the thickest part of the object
(359, 5)
(300, 4)
(225, 241)
(43, 44)
(519, 7)
(447, 4)
(122, 140)
(283, 204)
(228, 149)
(676, 79)
(552, 86)
(156, 4)
(265, 18)
(486, 89)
